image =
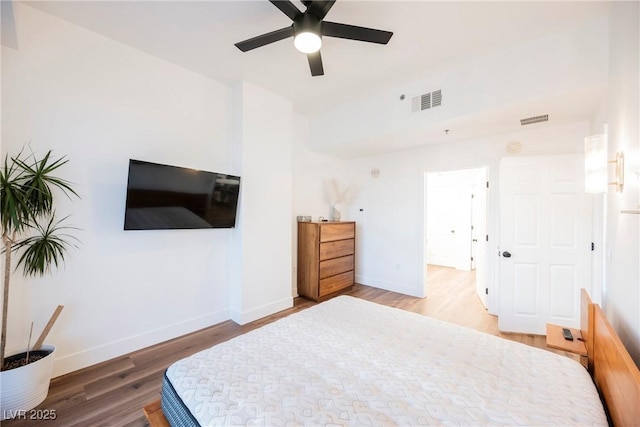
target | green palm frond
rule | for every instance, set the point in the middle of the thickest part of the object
(46, 248)
(37, 182)
(13, 206)
(26, 191)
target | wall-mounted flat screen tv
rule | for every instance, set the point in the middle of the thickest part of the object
(161, 197)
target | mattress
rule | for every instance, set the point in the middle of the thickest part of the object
(349, 361)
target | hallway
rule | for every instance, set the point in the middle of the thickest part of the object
(451, 296)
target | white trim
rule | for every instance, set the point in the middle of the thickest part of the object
(91, 356)
(244, 317)
(414, 291)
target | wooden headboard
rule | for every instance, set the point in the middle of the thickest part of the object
(613, 370)
(586, 325)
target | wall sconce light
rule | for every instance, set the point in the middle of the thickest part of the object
(596, 166)
(619, 171)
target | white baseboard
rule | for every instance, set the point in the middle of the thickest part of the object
(91, 356)
(390, 286)
(244, 317)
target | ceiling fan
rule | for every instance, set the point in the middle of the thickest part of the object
(308, 28)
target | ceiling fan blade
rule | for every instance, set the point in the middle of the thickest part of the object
(306, 3)
(344, 31)
(315, 64)
(265, 39)
(287, 8)
(319, 8)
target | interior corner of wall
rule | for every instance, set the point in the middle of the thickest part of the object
(250, 315)
(9, 36)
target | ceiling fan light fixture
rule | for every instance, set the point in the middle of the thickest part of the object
(307, 42)
(308, 29)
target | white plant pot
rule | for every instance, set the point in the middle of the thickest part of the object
(24, 388)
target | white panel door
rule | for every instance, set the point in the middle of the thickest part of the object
(463, 232)
(545, 225)
(478, 242)
(441, 224)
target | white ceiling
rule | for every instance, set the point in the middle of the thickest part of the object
(429, 37)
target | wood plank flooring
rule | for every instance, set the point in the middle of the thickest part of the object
(113, 393)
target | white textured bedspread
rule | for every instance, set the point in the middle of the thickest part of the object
(352, 362)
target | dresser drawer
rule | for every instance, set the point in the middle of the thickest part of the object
(337, 249)
(337, 231)
(335, 266)
(335, 283)
(326, 258)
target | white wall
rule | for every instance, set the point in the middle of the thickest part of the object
(312, 171)
(100, 103)
(261, 282)
(622, 244)
(390, 249)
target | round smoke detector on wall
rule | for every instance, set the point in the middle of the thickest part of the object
(375, 172)
(514, 147)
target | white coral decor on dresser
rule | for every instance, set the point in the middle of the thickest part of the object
(338, 195)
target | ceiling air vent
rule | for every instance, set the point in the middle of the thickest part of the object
(426, 101)
(535, 119)
(436, 98)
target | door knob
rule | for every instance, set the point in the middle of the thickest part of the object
(506, 254)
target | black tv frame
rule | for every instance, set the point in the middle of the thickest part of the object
(167, 197)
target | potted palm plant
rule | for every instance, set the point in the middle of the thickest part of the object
(30, 231)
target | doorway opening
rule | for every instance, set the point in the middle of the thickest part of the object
(455, 224)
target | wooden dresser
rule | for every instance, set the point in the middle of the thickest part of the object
(326, 252)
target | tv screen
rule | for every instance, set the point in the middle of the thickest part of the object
(161, 197)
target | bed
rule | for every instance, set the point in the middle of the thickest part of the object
(352, 362)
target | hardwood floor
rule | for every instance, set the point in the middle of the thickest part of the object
(113, 393)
